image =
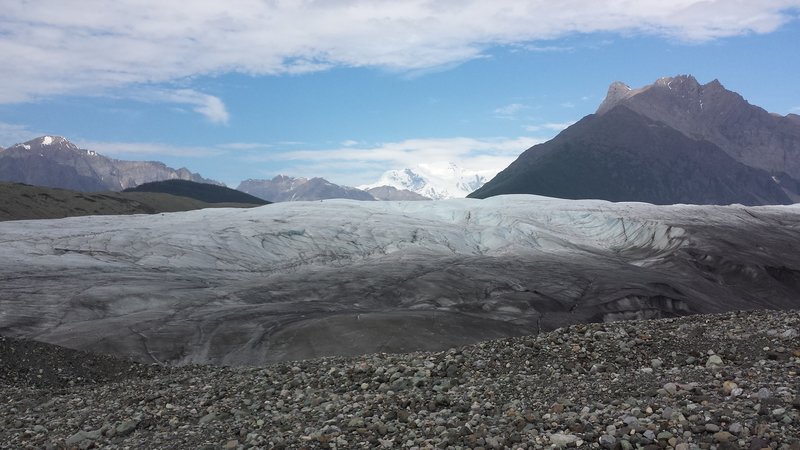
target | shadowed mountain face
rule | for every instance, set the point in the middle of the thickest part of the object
(53, 161)
(23, 202)
(209, 193)
(710, 112)
(304, 279)
(624, 156)
(289, 189)
(674, 141)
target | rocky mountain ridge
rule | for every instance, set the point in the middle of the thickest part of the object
(674, 141)
(53, 161)
(284, 188)
(748, 133)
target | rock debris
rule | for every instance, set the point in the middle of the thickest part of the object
(725, 381)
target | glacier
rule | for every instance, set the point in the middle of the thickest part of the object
(339, 277)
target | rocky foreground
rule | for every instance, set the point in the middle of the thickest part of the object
(725, 381)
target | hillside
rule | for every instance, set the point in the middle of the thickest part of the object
(23, 202)
(209, 193)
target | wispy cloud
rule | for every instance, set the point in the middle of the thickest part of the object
(11, 133)
(56, 47)
(364, 163)
(550, 126)
(510, 112)
(243, 146)
(544, 48)
(209, 106)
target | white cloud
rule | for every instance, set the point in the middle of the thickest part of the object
(148, 149)
(509, 111)
(550, 126)
(363, 164)
(211, 107)
(57, 47)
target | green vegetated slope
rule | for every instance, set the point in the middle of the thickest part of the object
(22, 202)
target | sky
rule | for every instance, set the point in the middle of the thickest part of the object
(347, 89)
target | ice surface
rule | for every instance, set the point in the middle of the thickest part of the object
(242, 286)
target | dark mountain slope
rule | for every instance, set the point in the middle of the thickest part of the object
(624, 156)
(209, 193)
(710, 112)
(23, 202)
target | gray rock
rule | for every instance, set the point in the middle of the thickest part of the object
(127, 427)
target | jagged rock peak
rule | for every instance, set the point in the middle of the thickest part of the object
(618, 91)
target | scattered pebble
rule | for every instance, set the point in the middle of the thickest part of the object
(582, 386)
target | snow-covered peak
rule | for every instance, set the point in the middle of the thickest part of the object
(57, 142)
(435, 181)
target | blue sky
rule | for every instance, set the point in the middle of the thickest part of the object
(348, 89)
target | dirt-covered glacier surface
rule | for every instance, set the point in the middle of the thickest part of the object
(306, 279)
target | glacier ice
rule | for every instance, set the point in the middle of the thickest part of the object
(339, 277)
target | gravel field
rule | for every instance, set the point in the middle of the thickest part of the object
(725, 381)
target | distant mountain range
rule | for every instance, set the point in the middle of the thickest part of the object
(451, 181)
(674, 141)
(52, 161)
(283, 188)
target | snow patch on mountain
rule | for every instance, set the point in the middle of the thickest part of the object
(434, 181)
(47, 140)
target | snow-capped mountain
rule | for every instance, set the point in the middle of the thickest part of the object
(432, 181)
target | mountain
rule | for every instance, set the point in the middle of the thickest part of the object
(432, 182)
(297, 280)
(286, 189)
(710, 112)
(52, 161)
(24, 202)
(391, 193)
(209, 193)
(623, 154)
